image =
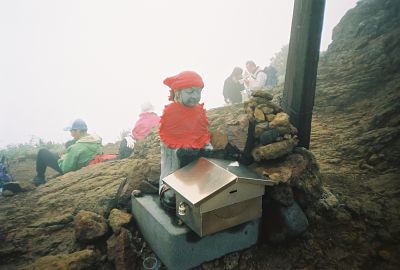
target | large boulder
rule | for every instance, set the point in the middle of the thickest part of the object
(89, 226)
(118, 219)
(121, 251)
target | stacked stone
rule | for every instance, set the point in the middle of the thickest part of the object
(293, 170)
(275, 136)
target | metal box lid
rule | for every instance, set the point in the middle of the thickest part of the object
(204, 177)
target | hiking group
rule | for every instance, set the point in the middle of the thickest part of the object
(239, 85)
(183, 129)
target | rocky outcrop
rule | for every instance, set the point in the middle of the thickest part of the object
(39, 222)
(358, 81)
(357, 90)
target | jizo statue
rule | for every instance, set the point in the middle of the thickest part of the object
(183, 129)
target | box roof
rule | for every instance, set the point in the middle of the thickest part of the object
(204, 177)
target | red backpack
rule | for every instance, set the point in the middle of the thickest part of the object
(102, 158)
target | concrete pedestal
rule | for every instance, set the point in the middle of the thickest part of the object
(180, 248)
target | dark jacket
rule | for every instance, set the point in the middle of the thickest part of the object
(232, 90)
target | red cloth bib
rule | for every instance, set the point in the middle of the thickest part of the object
(184, 127)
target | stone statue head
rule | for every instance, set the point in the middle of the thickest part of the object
(189, 97)
(185, 88)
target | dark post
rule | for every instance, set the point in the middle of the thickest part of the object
(302, 63)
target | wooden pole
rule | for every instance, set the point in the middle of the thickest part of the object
(302, 64)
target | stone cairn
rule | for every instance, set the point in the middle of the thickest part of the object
(294, 171)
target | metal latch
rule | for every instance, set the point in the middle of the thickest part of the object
(182, 208)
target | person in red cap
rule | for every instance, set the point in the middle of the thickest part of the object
(183, 129)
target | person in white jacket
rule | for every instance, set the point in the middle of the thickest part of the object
(256, 78)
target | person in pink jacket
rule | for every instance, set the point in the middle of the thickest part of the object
(143, 126)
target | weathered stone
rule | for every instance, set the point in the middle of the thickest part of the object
(269, 136)
(80, 260)
(259, 115)
(89, 226)
(282, 223)
(274, 150)
(118, 219)
(289, 129)
(14, 187)
(279, 175)
(328, 200)
(274, 106)
(262, 101)
(280, 119)
(267, 110)
(230, 125)
(7, 193)
(258, 101)
(262, 94)
(297, 163)
(121, 251)
(260, 128)
(281, 194)
(219, 139)
(243, 121)
(291, 168)
(270, 117)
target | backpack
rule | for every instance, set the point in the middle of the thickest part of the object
(263, 71)
(102, 158)
(272, 78)
(5, 176)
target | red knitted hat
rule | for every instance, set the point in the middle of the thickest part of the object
(183, 80)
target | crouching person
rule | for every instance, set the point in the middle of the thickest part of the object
(183, 131)
(148, 119)
(79, 152)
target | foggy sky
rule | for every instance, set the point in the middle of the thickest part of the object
(99, 60)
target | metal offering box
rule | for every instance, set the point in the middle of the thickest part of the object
(213, 195)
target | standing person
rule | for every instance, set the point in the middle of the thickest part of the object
(147, 121)
(256, 79)
(183, 131)
(272, 78)
(80, 151)
(233, 85)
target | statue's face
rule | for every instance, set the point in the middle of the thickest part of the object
(189, 97)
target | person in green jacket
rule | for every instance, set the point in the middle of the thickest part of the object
(79, 152)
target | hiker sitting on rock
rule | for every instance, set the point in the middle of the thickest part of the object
(183, 129)
(147, 121)
(79, 151)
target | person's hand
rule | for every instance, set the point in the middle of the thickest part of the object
(130, 142)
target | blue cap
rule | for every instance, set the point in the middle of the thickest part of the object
(77, 124)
